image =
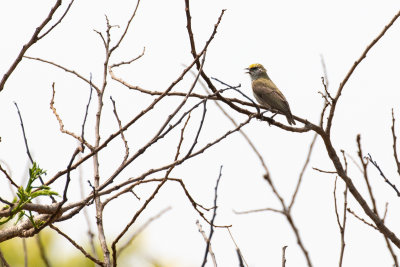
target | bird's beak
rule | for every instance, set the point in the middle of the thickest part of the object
(247, 70)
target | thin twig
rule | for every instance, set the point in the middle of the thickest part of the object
(323, 171)
(284, 256)
(361, 219)
(364, 165)
(24, 135)
(141, 229)
(132, 221)
(8, 177)
(212, 219)
(396, 157)
(350, 72)
(240, 258)
(178, 149)
(26, 145)
(199, 129)
(120, 127)
(61, 124)
(286, 212)
(81, 249)
(3, 260)
(58, 22)
(244, 95)
(383, 175)
(66, 70)
(126, 28)
(310, 150)
(6, 202)
(259, 210)
(85, 212)
(385, 213)
(207, 241)
(87, 110)
(34, 38)
(325, 79)
(239, 252)
(42, 251)
(25, 250)
(342, 225)
(129, 61)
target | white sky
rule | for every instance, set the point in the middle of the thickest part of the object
(288, 38)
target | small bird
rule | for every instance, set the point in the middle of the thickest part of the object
(267, 93)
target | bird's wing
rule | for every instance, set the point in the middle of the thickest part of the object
(268, 95)
(269, 92)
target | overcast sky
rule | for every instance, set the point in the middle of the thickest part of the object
(288, 38)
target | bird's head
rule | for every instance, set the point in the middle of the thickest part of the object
(256, 71)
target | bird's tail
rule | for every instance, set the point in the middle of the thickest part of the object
(290, 119)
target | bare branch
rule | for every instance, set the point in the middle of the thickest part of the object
(25, 250)
(342, 225)
(42, 251)
(3, 260)
(208, 243)
(208, 240)
(356, 63)
(86, 111)
(284, 256)
(126, 28)
(396, 157)
(60, 122)
(129, 61)
(22, 229)
(259, 210)
(58, 22)
(8, 177)
(81, 249)
(323, 171)
(26, 145)
(287, 214)
(310, 150)
(364, 165)
(122, 133)
(66, 70)
(361, 219)
(383, 175)
(85, 211)
(240, 255)
(132, 221)
(34, 38)
(24, 135)
(141, 229)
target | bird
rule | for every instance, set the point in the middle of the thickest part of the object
(267, 93)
